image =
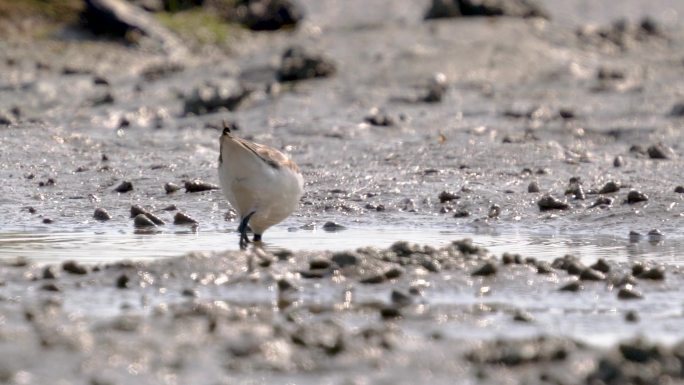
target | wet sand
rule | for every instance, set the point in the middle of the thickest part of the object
(525, 101)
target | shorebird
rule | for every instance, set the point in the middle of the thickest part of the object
(261, 183)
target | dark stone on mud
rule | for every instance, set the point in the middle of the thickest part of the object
(590, 274)
(319, 263)
(285, 285)
(446, 196)
(533, 187)
(393, 273)
(123, 282)
(430, 264)
(638, 268)
(601, 265)
(628, 292)
(634, 236)
(609, 187)
(137, 210)
(489, 8)
(141, 220)
(544, 267)
(467, 247)
(374, 279)
(50, 272)
(635, 196)
(618, 161)
(679, 189)
(519, 352)
(547, 202)
(215, 96)
(377, 117)
(345, 258)
(50, 286)
(436, 89)
(566, 113)
(660, 151)
(332, 227)
(654, 273)
(283, 255)
(400, 298)
(639, 351)
(677, 110)
(574, 268)
(461, 214)
(632, 316)
(314, 274)
(183, 219)
(101, 214)
(655, 235)
(74, 267)
(390, 312)
(268, 15)
(171, 187)
(485, 270)
(199, 186)
(523, 316)
(494, 211)
(602, 202)
(48, 221)
(160, 71)
(124, 187)
(170, 207)
(299, 63)
(6, 118)
(573, 286)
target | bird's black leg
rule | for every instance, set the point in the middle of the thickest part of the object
(242, 229)
(257, 237)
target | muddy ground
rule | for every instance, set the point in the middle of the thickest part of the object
(524, 101)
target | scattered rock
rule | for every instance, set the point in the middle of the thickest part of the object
(618, 161)
(632, 316)
(677, 110)
(319, 263)
(590, 274)
(494, 211)
(124, 187)
(183, 219)
(653, 273)
(394, 273)
(50, 286)
(332, 227)
(602, 202)
(298, 64)
(628, 292)
(345, 258)
(610, 187)
(141, 220)
(544, 267)
(547, 202)
(74, 267)
(655, 235)
(533, 187)
(573, 286)
(523, 316)
(601, 265)
(390, 312)
(489, 8)
(446, 196)
(268, 15)
(123, 282)
(171, 187)
(516, 352)
(214, 96)
(48, 221)
(50, 272)
(199, 186)
(377, 117)
(399, 298)
(660, 151)
(679, 189)
(436, 89)
(373, 279)
(485, 270)
(635, 196)
(101, 214)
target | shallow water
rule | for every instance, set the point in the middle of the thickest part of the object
(54, 247)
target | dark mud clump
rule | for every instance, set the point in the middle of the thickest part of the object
(268, 15)
(298, 63)
(549, 202)
(635, 196)
(216, 95)
(199, 186)
(124, 187)
(101, 214)
(469, 8)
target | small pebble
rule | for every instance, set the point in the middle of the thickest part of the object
(332, 227)
(170, 208)
(679, 189)
(48, 221)
(183, 219)
(609, 187)
(171, 187)
(533, 187)
(635, 196)
(634, 236)
(74, 267)
(345, 258)
(101, 214)
(141, 220)
(199, 186)
(393, 273)
(485, 270)
(632, 316)
(390, 312)
(590, 274)
(655, 235)
(637, 269)
(653, 273)
(123, 282)
(400, 298)
(547, 202)
(319, 263)
(124, 187)
(50, 272)
(618, 161)
(446, 196)
(523, 316)
(285, 285)
(50, 286)
(660, 151)
(628, 292)
(137, 210)
(601, 265)
(544, 267)
(573, 286)
(574, 268)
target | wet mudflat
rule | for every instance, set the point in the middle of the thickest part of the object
(538, 138)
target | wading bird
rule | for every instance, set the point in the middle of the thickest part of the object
(261, 183)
